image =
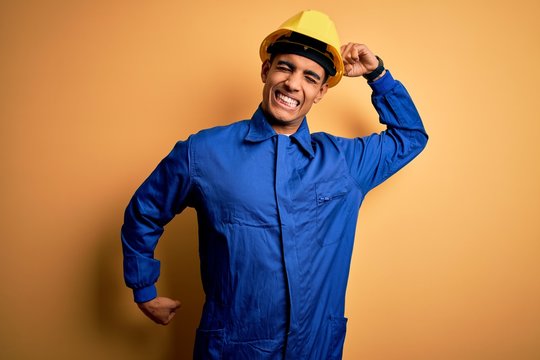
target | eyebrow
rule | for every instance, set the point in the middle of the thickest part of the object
(293, 67)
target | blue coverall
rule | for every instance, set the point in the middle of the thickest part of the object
(277, 218)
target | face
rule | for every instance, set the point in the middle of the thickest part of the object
(292, 84)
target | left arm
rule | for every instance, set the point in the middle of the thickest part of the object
(372, 159)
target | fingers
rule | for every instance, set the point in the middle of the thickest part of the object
(161, 310)
(357, 59)
(174, 306)
(348, 69)
(168, 310)
(168, 317)
(348, 54)
(169, 303)
(345, 51)
(352, 52)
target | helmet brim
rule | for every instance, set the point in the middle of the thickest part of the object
(338, 61)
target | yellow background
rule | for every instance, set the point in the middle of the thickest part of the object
(95, 93)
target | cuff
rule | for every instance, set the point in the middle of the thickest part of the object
(384, 84)
(144, 294)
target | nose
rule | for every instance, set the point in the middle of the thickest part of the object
(293, 81)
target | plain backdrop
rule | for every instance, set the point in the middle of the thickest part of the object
(94, 93)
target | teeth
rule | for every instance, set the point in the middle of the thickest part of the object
(287, 100)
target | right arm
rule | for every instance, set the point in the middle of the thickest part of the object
(165, 193)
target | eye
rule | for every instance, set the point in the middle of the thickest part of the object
(311, 80)
(283, 68)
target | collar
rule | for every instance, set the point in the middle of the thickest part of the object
(260, 130)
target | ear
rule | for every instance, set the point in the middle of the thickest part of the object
(322, 92)
(264, 70)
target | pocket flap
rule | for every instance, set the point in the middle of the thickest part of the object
(332, 189)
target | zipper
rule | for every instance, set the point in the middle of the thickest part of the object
(324, 199)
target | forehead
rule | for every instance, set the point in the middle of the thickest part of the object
(300, 62)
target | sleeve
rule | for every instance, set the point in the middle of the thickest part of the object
(165, 193)
(373, 159)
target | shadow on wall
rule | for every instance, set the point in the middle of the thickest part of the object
(179, 251)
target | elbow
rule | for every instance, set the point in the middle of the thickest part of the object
(420, 142)
(424, 137)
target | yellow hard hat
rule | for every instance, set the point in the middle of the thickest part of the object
(315, 25)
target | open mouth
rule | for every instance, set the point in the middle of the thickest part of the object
(286, 100)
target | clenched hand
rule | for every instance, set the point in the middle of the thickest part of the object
(161, 309)
(358, 59)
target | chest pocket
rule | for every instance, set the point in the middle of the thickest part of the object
(331, 197)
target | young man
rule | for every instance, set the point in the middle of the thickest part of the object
(276, 205)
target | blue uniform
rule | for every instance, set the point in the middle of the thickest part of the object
(277, 218)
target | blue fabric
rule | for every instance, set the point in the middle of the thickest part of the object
(277, 218)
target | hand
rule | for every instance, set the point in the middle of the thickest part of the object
(358, 59)
(161, 309)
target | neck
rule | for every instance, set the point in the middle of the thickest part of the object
(284, 130)
(283, 127)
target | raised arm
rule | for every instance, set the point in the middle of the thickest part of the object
(372, 159)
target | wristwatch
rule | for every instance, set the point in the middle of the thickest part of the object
(377, 72)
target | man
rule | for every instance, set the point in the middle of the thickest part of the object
(276, 205)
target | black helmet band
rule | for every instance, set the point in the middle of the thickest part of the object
(305, 46)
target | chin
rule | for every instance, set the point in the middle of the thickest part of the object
(284, 119)
(280, 122)
(285, 115)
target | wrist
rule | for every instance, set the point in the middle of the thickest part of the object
(377, 73)
(145, 294)
(380, 76)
